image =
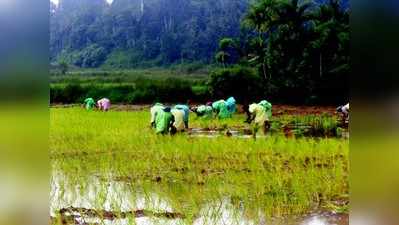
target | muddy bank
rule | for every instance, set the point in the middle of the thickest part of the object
(84, 216)
(72, 215)
(289, 131)
(278, 110)
(118, 107)
(121, 204)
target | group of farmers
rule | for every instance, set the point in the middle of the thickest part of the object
(166, 119)
(103, 104)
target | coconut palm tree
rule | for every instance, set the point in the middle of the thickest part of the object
(261, 17)
(331, 31)
(276, 20)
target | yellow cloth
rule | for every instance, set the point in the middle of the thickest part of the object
(259, 112)
(179, 119)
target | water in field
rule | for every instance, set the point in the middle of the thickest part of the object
(122, 173)
(96, 201)
(235, 133)
(245, 133)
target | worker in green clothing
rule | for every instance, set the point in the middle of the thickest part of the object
(231, 105)
(155, 110)
(259, 116)
(220, 107)
(89, 103)
(260, 113)
(268, 106)
(164, 121)
(204, 111)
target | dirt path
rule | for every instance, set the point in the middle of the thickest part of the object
(277, 109)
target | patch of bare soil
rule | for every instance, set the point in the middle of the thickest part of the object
(72, 215)
(279, 110)
(117, 107)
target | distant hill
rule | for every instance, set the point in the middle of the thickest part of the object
(131, 33)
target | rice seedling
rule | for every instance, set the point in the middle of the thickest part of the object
(114, 162)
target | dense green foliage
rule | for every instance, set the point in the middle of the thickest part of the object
(129, 87)
(130, 33)
(298, 51)
(243, 83)
(142, 91)
(301, 49)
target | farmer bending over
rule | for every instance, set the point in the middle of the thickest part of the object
(89, 103)
(186, 110)
(178, 124)
(204, 111)
(155, 110)
(344, 110)
(104, 104)
(164, 121)
(268, 106)
(231, 105)
(220, 107)
(260, 117)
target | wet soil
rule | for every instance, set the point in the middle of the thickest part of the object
(290, 131)
(73, 215)
(326, 218)
(79, 216)
(118, 107)
(278, 110)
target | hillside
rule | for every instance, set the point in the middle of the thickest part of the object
(131, 33)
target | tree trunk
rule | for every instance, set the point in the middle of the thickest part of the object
(224, 61)
(264, 70)
(321, 64)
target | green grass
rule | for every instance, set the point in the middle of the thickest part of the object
(127, 76)
(276, 176)
(128, 86)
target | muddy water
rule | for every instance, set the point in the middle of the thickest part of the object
(245, 133)
(236, 133)
(95, 201)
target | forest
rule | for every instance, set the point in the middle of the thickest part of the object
(131, 33)
(297, 50)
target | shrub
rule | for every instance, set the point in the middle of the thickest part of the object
(141, 91)
(241, 82)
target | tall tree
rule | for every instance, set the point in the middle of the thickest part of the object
(150, 32)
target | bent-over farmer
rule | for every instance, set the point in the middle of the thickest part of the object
(204, 111)
(231, 104)
(186, 110)
(220, 107)
(155, 110)
(259, 117)
(104, 104)
(89, 103)
(344, 110)
(164, 121)
(178, 124)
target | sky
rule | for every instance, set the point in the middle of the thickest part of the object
(56, 1)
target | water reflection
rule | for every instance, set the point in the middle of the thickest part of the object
(78, 202)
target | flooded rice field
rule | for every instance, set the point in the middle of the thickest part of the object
(246, 133)
(115, 202)
(121, 172)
